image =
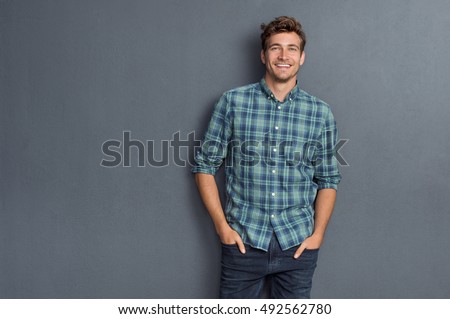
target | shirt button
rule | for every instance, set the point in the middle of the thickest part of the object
(276, 127)
(274, 149)
(279, 107)
(273, 216)
(273, 194)
(274, 171)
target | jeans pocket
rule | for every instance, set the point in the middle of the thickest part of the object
(228, 245)
(313, 250)
(230, 248)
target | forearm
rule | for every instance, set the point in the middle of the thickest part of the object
(209, 193)
(323, 210)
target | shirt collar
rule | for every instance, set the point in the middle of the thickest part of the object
(265, 89)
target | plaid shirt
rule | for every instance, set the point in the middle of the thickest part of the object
(277, 155)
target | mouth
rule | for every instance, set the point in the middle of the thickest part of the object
(282, 65)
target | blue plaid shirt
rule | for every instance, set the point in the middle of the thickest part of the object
(277, 156)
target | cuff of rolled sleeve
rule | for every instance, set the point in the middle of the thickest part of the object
(204, 170)
(327, 185)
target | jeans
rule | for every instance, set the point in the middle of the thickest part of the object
(243, 275)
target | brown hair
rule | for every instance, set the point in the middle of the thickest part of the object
(279, 25)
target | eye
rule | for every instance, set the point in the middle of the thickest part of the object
(293, 49)
(274, 48)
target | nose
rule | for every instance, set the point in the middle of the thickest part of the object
(282, 55)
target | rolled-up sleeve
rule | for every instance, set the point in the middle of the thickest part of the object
(213, 149)
(326, 166)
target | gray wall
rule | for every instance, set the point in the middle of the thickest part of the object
(75, 74)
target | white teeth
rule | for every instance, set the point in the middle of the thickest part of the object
(283, 65)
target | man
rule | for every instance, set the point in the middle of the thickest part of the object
(281, 176)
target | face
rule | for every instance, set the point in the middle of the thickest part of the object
(282, 57)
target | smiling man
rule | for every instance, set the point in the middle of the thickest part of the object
(277, 142)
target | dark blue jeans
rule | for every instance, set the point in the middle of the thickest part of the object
(243, 275)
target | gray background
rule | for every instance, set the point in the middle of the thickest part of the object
(75, 74)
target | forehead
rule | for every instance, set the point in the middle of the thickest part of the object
(284, 38)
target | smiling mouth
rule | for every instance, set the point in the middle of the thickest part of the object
(279, 65)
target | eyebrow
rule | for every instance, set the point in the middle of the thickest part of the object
(288, 45)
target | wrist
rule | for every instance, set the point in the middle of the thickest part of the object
(317, 236)
(222, 228)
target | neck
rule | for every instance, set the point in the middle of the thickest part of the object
(280, 89)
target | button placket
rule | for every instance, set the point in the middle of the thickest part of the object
(276, 134)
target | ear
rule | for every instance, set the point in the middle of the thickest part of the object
(302, 58)
(263, 57)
